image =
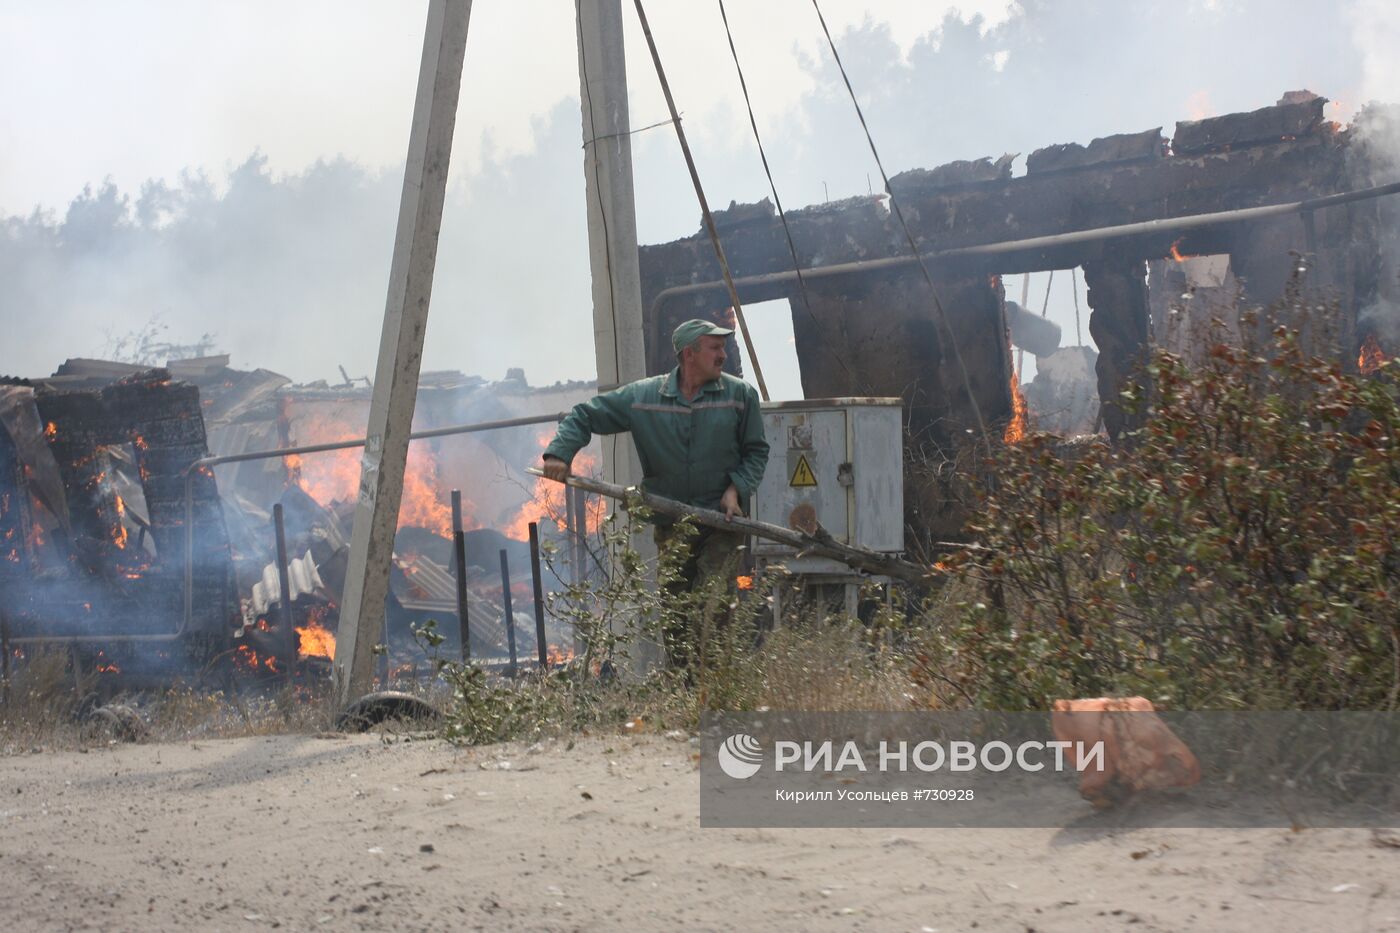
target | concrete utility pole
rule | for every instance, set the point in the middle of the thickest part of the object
(612, 236)
(400, 346)
(612, 217)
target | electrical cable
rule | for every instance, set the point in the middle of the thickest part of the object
(782, 215)
(909, 236)
(704, 204)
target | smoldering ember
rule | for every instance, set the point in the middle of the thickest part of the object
(103, 465)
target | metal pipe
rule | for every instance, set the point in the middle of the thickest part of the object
(581, 534)
(1160, 226)
(539, 595)
(459, 553)
(509, 620)
(284, 586)
(415, 436)
(4, 660)
(384, 655)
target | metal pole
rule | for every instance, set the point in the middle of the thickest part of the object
(401, 345)
(5, 659)
(509, 620)
(540, 647)
(580, 534)
(569, 533)
(284, 621)
(571, 554)
(384, 656)
(459, 548)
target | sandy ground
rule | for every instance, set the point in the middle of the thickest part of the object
(327, 833)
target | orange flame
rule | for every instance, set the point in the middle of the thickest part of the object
(1016, 427)
(744, 582)
(1177, 254)
(246, 657)
(334, 476)
(421, 506)
(119, 532)
(315, 641)
(50, 430)
(1372, 357)
(546, 502)
(557, 655)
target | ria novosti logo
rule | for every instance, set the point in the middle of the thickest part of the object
(741, 756)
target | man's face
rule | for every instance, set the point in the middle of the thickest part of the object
(706, 357)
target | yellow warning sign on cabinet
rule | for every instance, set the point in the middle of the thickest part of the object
(802, 474)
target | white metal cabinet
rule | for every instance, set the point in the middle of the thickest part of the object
(837, 462)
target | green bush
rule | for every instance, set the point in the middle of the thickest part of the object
(1238, 551)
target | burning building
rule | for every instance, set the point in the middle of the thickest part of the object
(1224, 205)
(104, 467)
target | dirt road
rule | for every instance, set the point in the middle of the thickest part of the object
(328, 833)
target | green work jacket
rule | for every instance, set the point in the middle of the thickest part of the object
(690, 450)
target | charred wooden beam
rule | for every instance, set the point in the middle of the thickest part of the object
(1118, 322)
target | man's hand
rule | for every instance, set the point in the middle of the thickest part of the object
(556, 469)
(729, 502)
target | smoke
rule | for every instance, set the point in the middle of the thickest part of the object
(289, 271)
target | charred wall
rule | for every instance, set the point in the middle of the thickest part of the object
(114, 559)
(875, 328)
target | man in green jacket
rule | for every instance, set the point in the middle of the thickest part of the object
(698, 432)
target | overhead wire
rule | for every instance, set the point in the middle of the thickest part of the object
(704, 204)
(777, 201)
(908, 236)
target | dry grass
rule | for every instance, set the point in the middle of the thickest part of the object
(47, 709)
(806, 665)
(835, 669)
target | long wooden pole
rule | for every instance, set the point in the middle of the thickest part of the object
(819, 543)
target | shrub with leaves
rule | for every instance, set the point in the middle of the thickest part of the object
(1239, 550)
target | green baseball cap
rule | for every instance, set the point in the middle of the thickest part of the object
(693, 330)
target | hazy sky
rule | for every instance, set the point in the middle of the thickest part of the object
(321, 91)
(145, 88)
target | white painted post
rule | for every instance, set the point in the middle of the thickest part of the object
(401, 346)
